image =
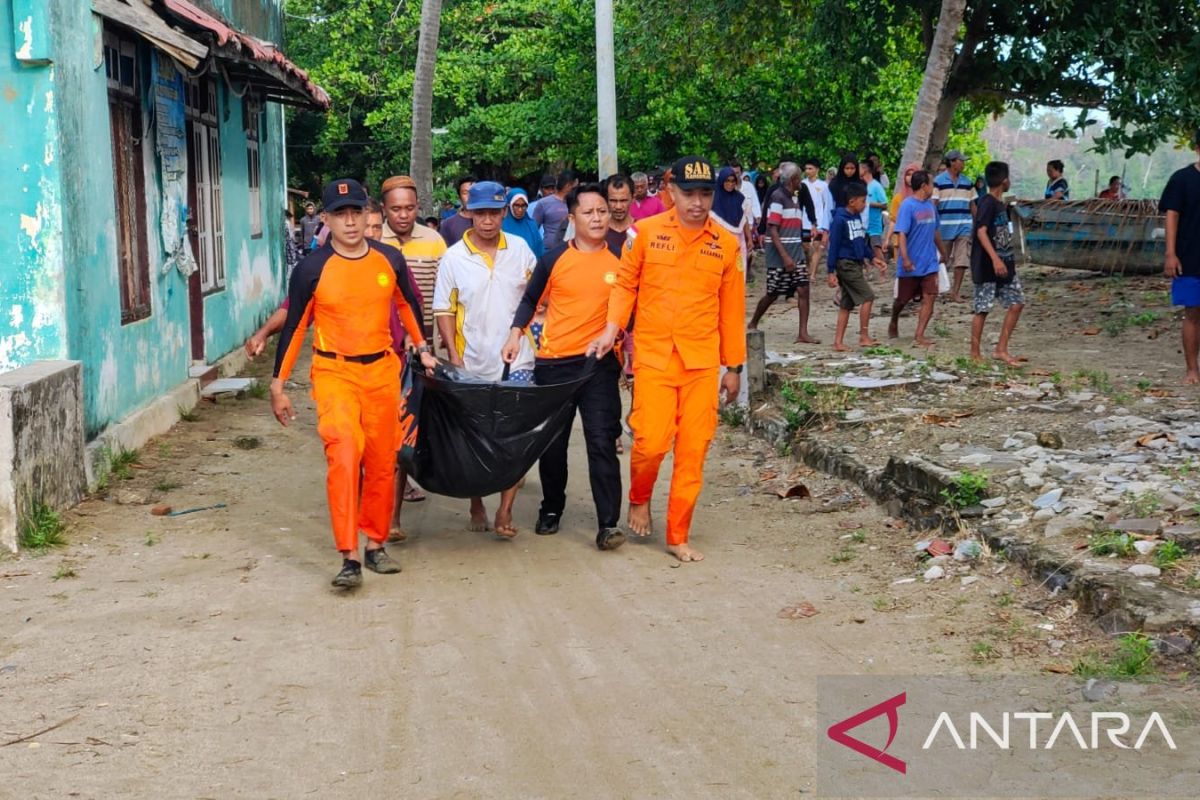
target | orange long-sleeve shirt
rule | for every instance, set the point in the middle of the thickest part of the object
(690, 293)
(349, 301)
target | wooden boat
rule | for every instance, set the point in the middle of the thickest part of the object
(1109, 236)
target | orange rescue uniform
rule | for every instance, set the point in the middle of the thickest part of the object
(355, 376)
(691, 305)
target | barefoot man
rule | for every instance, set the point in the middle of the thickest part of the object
(684, 273)
(787, 270)
(480, 282)
(1181, 203)
(347, 288)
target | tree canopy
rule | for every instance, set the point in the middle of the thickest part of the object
(514, 90)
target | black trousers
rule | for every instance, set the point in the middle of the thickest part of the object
(599, 405)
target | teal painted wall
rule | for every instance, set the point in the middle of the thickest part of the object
(32, 297)
(60, 297)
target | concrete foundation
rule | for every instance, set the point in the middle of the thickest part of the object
(41, 441)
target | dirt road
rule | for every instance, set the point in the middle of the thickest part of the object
(205, 656)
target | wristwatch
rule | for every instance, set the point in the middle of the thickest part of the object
(736, 370)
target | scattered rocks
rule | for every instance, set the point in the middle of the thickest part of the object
(1050, 439)
(934, 573)
(993, 502)
(967, 580)
(1145, 546)
(967, 550)
(1152, 527)
(1145, 571)
(1095, 690)
(1171, 645)
(1048, 499)
(130, 497)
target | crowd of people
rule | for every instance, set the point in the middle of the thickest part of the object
(637, 279)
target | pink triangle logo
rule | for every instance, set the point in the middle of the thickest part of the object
(838, 732)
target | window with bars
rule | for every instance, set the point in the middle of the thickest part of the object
(204, 162)
(252, 117)
(121, 68)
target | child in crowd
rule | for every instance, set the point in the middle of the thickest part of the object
(850, 256)
(920, 241)
(993, 265)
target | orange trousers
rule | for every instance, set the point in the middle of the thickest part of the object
(672, 407)
(358, 420)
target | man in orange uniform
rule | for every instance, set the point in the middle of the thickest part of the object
(347, 289)
(574, 280)
(684, 273)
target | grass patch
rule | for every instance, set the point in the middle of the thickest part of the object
(258, 390)
(1145, 504)
(941, 330)
(121, 463)
(983, 650)
(152, 538)
(1167, 554)
(42, 528)
(64, 571)
(166, 485)
(842, 556)
(971, 366)
(1134, 658)
(858, 537)
(1112, 543)
(1096, 379)
(1005, 600)
(968, 489)
(882, 351)
(188, 416)
(733, 415)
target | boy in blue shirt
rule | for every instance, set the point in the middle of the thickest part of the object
(849, 257)
(917, 263)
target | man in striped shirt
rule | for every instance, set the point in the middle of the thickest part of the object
(787, 269)
(422, 247)
(955, 197)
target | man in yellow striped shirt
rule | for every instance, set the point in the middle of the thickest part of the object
(422, 247)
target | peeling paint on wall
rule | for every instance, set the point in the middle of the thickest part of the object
(25, 46)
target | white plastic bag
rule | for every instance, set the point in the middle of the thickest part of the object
(943, 279)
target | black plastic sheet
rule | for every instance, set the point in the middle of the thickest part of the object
(468, 438)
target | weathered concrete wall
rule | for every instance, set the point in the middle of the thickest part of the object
(41, 441)
(32, 297)
(254, 266)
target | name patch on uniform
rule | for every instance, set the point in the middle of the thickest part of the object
(383, 279)
(712, 250)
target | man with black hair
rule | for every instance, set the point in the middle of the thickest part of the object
(453, 228)
(994, 265)
(1181, 204)
(574, 281)
(349, 290)
(551, 211)
(849, 257)
(619, 194)
(917, 258)
(815, 234)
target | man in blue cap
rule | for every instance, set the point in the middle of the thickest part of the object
(480, 283)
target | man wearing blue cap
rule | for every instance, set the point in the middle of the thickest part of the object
(480, 283)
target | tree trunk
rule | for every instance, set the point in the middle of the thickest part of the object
(941, 129)
(937, 69)
(421, 159)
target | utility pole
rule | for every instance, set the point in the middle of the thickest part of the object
(606, 89)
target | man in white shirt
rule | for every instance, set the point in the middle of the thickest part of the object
(480, 282)
(814, 240)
